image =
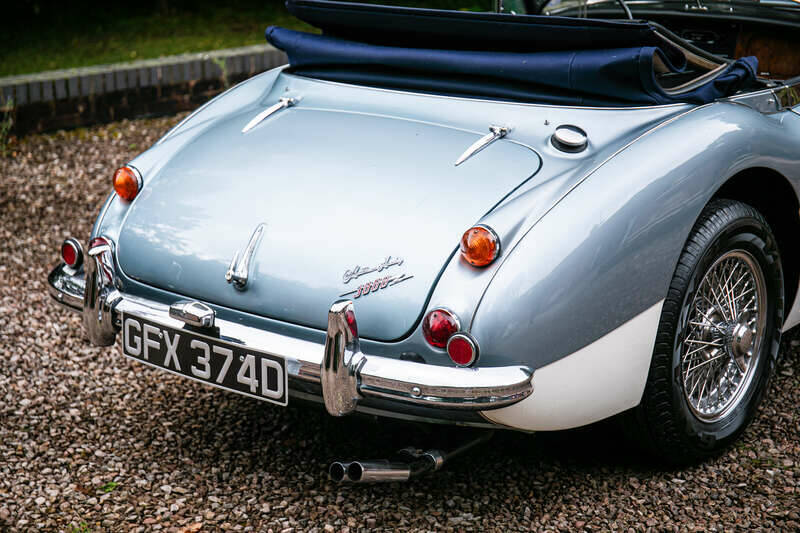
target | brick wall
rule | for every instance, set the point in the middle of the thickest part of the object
(80, 97)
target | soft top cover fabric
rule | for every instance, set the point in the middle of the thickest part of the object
(530, 58)
(461, 30)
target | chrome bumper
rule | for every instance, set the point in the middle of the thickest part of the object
(344, 373)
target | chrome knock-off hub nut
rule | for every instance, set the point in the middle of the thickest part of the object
(741, 344)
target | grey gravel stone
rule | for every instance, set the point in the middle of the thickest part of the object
(237, 464)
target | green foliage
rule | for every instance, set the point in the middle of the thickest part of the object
(112, 35)
(220, 62)
(108, 487)
(63, 36)
(83, 527)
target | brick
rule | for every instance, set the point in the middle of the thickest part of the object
(170, 76)
(232, 65)
(120, 80)
(61, 88)
(7, 95)
(144, 77)
(257, 60)
(183, 71)
(108, 82)
(155, 76)
(162, 75)
(273, 58)
(34, 91)
(196, 70)
(132, 78)
(47, 91)
(174, 73)
(21, 94)
(209, 69)
(73, 86)
(92, 85)
(86, 85)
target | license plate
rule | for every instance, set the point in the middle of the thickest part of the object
(216, 362)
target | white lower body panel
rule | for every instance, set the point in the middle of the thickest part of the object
(598, 381)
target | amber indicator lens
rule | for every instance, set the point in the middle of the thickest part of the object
(480, 246)
(462, 350)
(126, 183)
(438, 326)
(71, 253)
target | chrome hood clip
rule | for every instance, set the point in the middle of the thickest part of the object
(283, 103)
(495, 133)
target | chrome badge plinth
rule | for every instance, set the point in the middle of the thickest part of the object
(375, 284)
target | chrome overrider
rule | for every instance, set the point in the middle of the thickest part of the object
(346, 375)
(100, 296)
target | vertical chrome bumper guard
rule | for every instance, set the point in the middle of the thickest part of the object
(342, 360)
(99, 294)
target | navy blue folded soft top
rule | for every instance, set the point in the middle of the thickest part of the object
(530, 58)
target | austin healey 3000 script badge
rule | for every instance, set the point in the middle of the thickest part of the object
(376, 284)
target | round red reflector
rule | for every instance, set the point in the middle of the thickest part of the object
(71, 253)
(480, 246)
(462, 350)
(126, 183)
(438, 326)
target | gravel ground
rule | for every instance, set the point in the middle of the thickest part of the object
(90, 441)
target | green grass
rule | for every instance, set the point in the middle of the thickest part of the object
(140, 36)
(93, 33)
(83, 527)
(108, 487)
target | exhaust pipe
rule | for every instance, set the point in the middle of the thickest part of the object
(338, 471)
(407, 463)
(378, 471)
(369, 471)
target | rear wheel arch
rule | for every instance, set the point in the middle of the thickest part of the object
(771, 193)
(664, 422)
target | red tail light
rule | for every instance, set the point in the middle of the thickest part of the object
(350, 316)
(72, 253)
(127, 183)
(438, 326)
(98, 241)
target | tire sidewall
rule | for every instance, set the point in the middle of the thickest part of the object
(753, 236)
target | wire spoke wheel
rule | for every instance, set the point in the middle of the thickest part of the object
(725, 326)
(717, 340)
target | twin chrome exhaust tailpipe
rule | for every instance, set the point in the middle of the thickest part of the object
(377, 471)
(407, 463)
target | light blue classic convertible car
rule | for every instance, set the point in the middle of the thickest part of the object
(529, 221)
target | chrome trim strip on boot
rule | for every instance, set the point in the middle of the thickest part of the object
(345, 374)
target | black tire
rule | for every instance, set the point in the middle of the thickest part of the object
(664, 422)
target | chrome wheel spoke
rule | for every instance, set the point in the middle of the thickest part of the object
(725, 322)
